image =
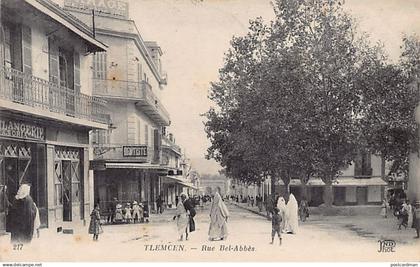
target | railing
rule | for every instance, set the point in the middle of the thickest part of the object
(128, 89)
(168, 143)
(115, 152)
(28, 90)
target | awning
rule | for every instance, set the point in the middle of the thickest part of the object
(179, 180)
(342, 181)
(125, 165)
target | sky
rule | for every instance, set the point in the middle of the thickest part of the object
(195, 34)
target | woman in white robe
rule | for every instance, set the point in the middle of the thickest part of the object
(292, 215)
(281, 205)
(181, 217)
(218, 219)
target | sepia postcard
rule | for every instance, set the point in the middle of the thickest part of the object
(209, 130)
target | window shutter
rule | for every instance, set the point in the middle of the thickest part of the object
(76, 72)
(53, 61)
(27, 49)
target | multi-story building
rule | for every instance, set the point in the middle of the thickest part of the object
(134, 160)
(47, 110)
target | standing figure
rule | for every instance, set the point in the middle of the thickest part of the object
(118, 213)
(281, 205)
(410, 213)
(384, 209)
(303, 210)
(111, 209)
(189, 207)
(22, 216)
(292, 215)
(136, 212)
(218, 219)
(416, 220)
(181, 218)
(37, 222)
(159, 204)
(275, 225)
(127, 215)
(95, 227)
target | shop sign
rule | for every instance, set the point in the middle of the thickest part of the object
(114, 8)
(134, 151)
(19, 129)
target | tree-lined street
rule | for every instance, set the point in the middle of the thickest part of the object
(318, 239)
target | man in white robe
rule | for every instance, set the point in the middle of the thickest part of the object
(292, 215)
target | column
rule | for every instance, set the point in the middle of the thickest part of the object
(50, 187)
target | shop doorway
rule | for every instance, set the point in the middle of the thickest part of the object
(67, 201)
(15, 160)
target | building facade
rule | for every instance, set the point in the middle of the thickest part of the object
(135, 160)
(47, 110)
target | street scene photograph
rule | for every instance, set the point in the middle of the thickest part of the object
(209, 131)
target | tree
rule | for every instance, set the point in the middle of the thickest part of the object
(288, 97)
(389, 101)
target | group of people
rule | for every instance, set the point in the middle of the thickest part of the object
(406, 213)
(23, 216)
(129, 213)
(185, 213)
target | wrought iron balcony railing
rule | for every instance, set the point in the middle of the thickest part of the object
(139, 91)
(18, 87)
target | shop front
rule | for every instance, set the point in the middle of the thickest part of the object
(53, 159)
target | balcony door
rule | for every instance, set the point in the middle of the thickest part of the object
(64, 65)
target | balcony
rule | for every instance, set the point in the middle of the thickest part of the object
(141, 93)
(124, 153)
(25, 93)
(168, 144)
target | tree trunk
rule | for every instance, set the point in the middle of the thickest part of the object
(328, 192)
(273, 185)
(304, 191)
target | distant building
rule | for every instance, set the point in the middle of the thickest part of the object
(210, 184)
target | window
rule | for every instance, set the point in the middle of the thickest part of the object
(146, 135)
(100, 137)
(58, 184)
(139, 131)
(8, 48)
(99, 65)
(139, 72)
(362, 164)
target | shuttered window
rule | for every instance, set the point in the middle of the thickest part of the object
(53, 61)
(76, 72)
(27, 49)
(146, 134)
(99, 65)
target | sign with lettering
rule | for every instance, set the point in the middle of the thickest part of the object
(20, 129)
(134, 151)
(114, 8)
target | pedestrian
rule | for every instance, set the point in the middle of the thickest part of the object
(111, 209)
(137, 212)
(118, 214)
(384, 209)
(159, 203)
(281, 205)
(276, 225)
(37, 222)
(259, 203)
(218, 219)
(190, 208)
(403, 216)
(292, 215)
(182, 221)
(176, 201)
(22, 216)
(409, 208)
(416, 220)
(303, 210)
(95, 227)
(127, 215)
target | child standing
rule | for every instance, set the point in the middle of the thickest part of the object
(275, 223)
(95, 227)
(384, 209)
(127, 215)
